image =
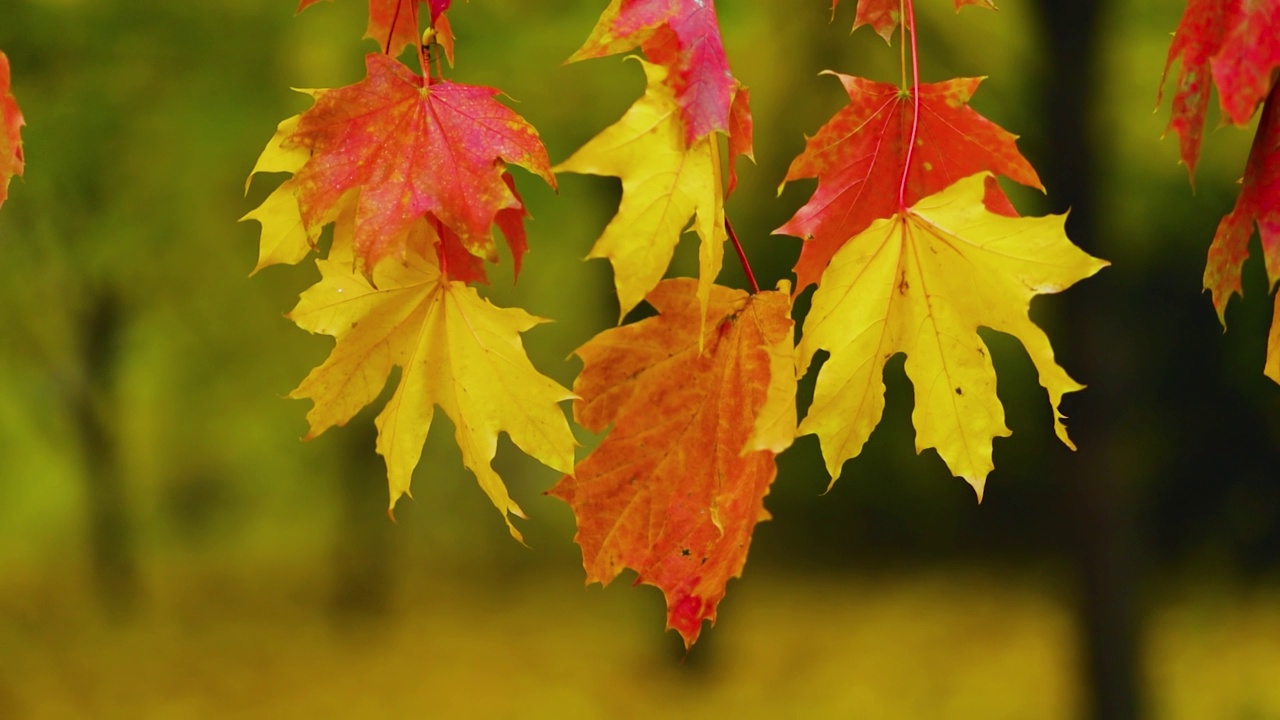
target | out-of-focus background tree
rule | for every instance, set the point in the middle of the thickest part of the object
(169, 549)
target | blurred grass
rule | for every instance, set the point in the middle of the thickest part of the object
(949, 644)
(918, 646)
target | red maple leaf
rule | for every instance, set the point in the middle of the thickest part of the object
(860, 154)
(414, 148)
(11, 162)
(883, 15)
(682, 35)
(1237, 43)
(741, 135)
(677, 487)
(394, 23)
(1259, 203)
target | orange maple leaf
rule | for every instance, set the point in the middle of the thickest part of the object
(676, 488)
(414, 149)
(11, 162)
(859, 156)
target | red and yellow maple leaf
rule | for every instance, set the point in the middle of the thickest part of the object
(665, 184)
(11, 122)
(1259, 203)
(455, 350)
(1234, 42)
(287, 239)
(682, 35)
(884, 15)
(859, 157)
(921, 283)
(414, 150)
(393, 24)
(677, 487)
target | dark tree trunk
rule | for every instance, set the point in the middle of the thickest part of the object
(91, 399)
(1098, 485)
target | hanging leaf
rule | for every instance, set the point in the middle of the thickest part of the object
(675, 490)
(455, 350)
(922, 283)
(665, 185)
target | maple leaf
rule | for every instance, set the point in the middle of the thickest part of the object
(884, 15)
(921, 283)
(413, 149)
(394, 23)
(455, 350)
(682, 35)
(677, 487)
(664, 185)
(859, 157)
(286, 238)
(1237, 44)
(1259, 203)
(11, 162)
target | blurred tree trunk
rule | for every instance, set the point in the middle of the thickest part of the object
(91, 399)
(1097, 483)
(364, 541)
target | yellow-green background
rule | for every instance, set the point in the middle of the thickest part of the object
(257, 576)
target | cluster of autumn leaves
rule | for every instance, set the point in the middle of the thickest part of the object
(908, 237)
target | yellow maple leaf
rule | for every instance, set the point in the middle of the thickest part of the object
(921, 283)
(665, 184)
(455, 349)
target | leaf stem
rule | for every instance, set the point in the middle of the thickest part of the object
(440, 252)
(742, 256)
(391, 32)
(909, 26)
(902, 47)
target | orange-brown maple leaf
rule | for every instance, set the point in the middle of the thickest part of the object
(394, 23)
(1234, 42)
(675, 490)
(884, 15)
(413, 149)
(1259, 203)
(859, 157)
(11, 162)
(682, 35)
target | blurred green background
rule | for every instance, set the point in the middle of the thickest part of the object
(169, 549)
